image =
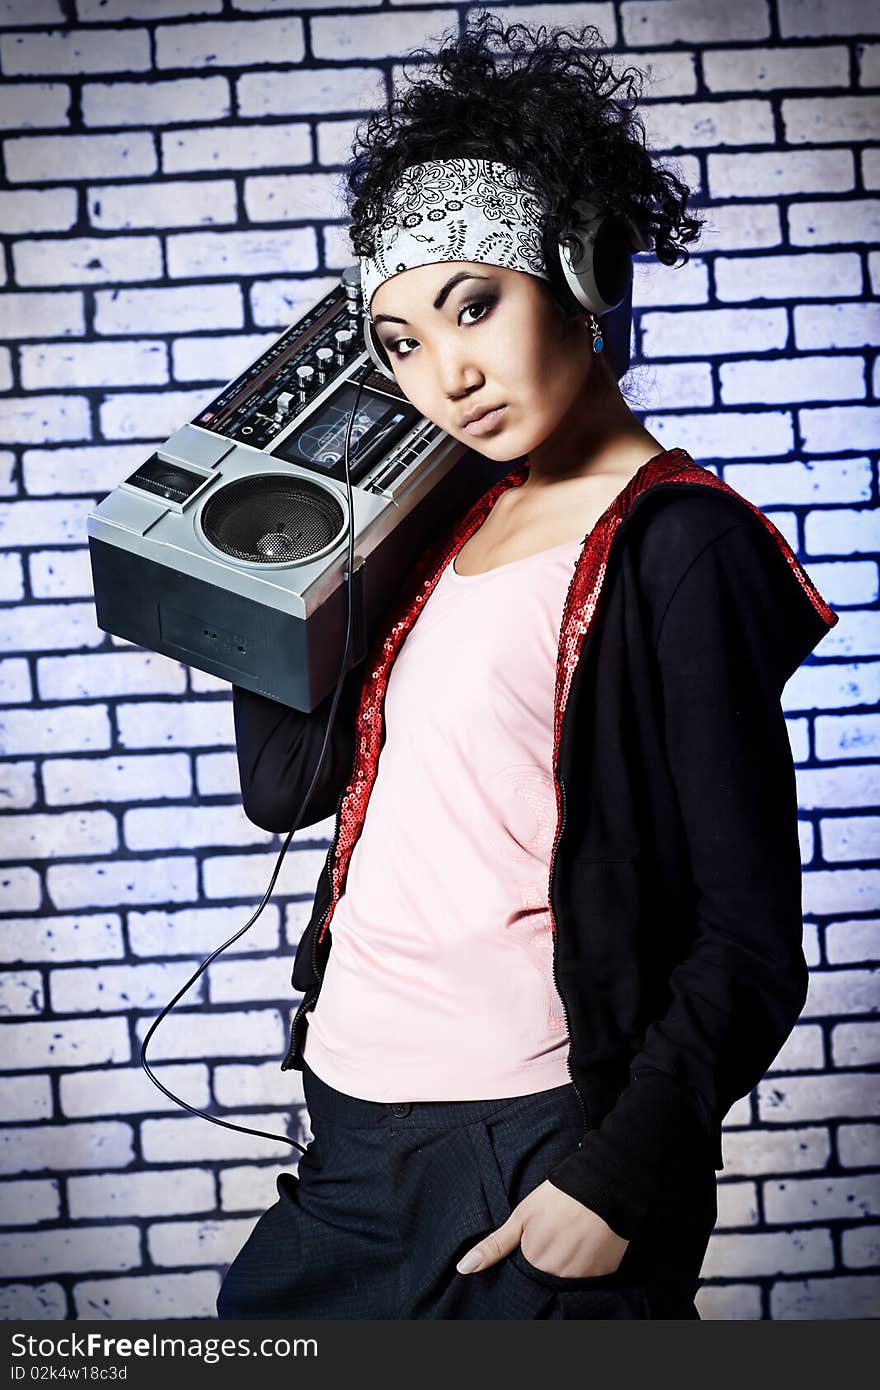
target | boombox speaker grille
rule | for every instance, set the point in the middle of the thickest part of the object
(271, 518)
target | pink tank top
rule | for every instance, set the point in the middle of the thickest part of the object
(439, 983)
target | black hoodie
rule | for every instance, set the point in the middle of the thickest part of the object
(675, 879)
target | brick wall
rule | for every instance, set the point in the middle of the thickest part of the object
(169, 204)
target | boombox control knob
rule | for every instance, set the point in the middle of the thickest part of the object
(305, 375)
(343, 337)
(282, 404)
(325, 358)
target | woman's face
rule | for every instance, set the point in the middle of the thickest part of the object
(466, 336)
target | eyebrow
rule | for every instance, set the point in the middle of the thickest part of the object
(441, 297)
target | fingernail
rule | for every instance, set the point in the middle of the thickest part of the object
(469, 1262)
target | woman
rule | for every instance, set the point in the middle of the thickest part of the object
(565, 879)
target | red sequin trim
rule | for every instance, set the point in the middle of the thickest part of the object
(673, 465)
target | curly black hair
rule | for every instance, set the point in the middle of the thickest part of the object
(549, 105)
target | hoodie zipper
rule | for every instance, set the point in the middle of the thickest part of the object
(553, 955)
(310, 997)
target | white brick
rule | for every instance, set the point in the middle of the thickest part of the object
(842, 531)
(729, 1302)
(221, 1033)
(378, 34)
(189, 1242)
(25, 1097)
(245, 875)
(241, 253)
(200, 931)
(90, 469)
(76, 51)
(43, 315)
(765, 69)
(856, 1044)
(831, 120)
(262, 1084)
(317, 90)
(106, 10)
(129, 1091)
(110, 673)
(847, 1095)
(149, 827)
(871, 167)
(172, 879)
(237, 147)
(139, 414)
(217, 774)
(17, 785)
(71, 781)
(650, 287)
(151, 1297)
(177, 203)
(20, 12)
(70, 1251)
(757, 380)
(51, 624)
(63, 729)
(26, 1203)
(11, 578)
(37, 1302)
(787, 277)
(87, 260)
(183, 1140)
(285, 197)
(818, 18)
(858, 1146)
(697, 124)
(848, 220)
(60, 574)
(250, 1186)
(857, 890)
(40, 158)
(193, 724)
(238, 981)
(668, 21)
(233, 43)
(93, 364)
(719, 332)
(777, 173)
(46, 836)
(36, 419)
(174, 309)
(860, 1248)
(802, 1050)
(836, 325)
(806, 1300)
(38, 210)
(819, 480)
(96, 937)
(821, 1199)
(737, 1204)
(216, 358)
(97, 989)
(822, 430)
(34, 105)
(64, 1042)
(15, 681)
(727, 434)
(276, 303)
(755, 1253)
(19, 889)
(155, 103)
(754, 1151)
(164, 1193)
(669, 385)
(850, 837)
(854, 940)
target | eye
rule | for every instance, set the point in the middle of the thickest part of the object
(394, 347)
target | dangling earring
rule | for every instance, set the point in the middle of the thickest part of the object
(595, 329)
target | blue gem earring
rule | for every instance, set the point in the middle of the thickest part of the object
(598, 340)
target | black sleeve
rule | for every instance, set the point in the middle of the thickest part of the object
(738, 623)
(278, 749)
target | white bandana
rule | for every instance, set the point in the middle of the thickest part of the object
(456, 210)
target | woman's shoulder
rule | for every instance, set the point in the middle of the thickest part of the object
(673, 521)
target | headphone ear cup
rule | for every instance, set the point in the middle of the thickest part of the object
(598, 268)
(376, 350)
